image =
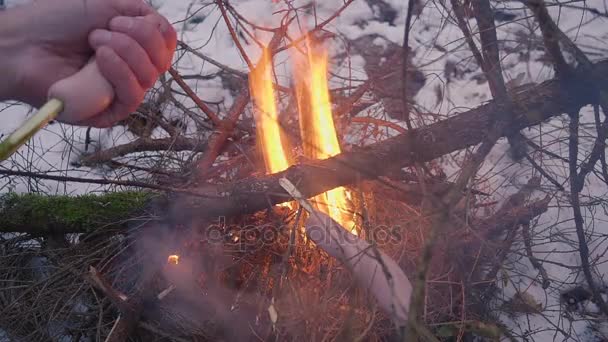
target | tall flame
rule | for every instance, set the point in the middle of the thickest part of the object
(318, 130)
(266, 116)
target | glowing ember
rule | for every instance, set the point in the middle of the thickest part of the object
(173, 259)
(318, 130)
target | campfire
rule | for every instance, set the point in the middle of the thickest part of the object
(209, 254)
(317, 129)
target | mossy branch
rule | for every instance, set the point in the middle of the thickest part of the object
(40, 214)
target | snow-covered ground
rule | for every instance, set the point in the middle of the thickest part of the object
(437, 44)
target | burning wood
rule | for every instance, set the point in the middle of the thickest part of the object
(318, 132)
(266, 116)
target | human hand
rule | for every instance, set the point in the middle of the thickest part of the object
(132, 45)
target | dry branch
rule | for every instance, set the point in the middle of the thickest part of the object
(489, 44)
(180, 81)
(579, 221)
(550, 36)
(404, 75)
(178, 143)
(515, 212)
(544, 101)
(537, 264)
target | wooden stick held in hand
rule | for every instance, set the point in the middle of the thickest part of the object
(91, 90)
(46, 114)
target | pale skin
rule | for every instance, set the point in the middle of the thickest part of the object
(46, 41)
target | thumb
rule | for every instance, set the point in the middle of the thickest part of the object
(84, 94)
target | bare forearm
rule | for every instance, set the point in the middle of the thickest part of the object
(11, 41)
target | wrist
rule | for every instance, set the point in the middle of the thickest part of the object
(12, 46)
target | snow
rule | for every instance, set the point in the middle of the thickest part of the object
(58, 146)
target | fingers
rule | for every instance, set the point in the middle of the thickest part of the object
(165, 28)
(128, 92)
(138, 8)
(146, 32)
(132, 7)
(129, 51)
(131, 54)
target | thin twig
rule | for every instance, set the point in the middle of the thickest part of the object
(583, 248)
(211, 60)
(197, 100)
(175, 144)
(235, 37)
(533, 260)
(550, 36)
(378, 122)
(405, 52)
(544, 173)
(317, 28)
(135, 184)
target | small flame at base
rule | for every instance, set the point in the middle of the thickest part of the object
(173, 259)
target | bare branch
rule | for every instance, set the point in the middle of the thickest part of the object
(533, 260)
(235, 38)
(551, 36)
(177, 143)
(406, 62)
(583, 248)
(489, 45)
(216, 120)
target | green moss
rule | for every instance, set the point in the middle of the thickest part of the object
(69, 214)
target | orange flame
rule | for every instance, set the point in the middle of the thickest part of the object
(317, 128)
(173, 259)
(266, 116)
